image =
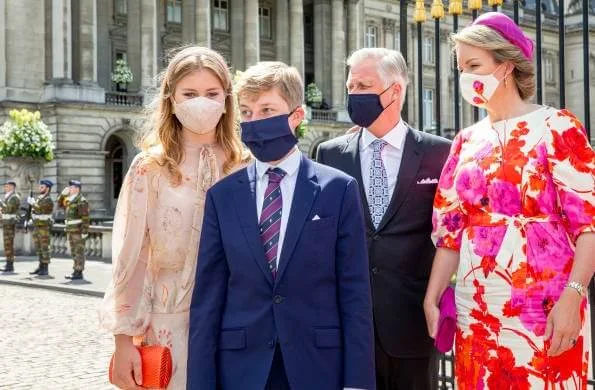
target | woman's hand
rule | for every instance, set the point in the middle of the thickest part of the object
(127, 368)
(564, 323)
(432, 313)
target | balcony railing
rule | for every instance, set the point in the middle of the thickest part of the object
(123, 99)
(324, 115)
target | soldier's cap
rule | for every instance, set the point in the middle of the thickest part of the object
(75, 183)
(46, 182)
(12, 182)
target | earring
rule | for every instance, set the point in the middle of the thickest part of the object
(506, 81)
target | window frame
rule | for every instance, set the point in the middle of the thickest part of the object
(217, 11)
(429, 120)
(368, 35)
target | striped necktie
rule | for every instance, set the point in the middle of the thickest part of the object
(270, 218)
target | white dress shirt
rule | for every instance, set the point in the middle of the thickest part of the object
(290, 165)
(391, 155)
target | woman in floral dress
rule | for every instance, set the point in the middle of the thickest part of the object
(192, 143)
(514, 217)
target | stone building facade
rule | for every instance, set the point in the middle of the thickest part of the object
(56, 56)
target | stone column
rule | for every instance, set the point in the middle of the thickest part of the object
(355, 31)
(281, 33)
(338, 54)
(319, 47)
(2, 50)
(236, 27)
(149, 44)
(296, 26)
(133, 50)
(251, 33)
(389, 33)
(188, 21)
(88, 42)
(61, 40)
(203, 23)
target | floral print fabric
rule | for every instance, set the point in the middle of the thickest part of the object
(512, 199)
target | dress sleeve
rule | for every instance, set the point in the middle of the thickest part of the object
(571, 161)
(449, 219)
(126, 305)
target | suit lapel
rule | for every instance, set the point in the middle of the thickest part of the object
(353, 167)
(306, 190)
(412, 155)
(246, 209)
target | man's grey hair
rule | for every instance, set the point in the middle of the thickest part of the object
(390, 64)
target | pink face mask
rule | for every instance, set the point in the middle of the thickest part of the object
(200, 114)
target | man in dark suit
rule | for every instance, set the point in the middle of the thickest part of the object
(397, 169)
(282, 296)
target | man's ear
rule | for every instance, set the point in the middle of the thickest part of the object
(297, 117)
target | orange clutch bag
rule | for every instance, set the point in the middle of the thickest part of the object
(156, 366)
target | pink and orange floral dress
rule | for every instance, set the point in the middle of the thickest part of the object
(154, 249)
(512, 199)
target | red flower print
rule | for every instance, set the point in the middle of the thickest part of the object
(478, 87)
(478, 100)
(572, 144)
(504, 374)
(557, 369)
(573, 211)
(469, 351)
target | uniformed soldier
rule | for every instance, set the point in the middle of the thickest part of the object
(9, 207)
(77, 224)
(42, 209)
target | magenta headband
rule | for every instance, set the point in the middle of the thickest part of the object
(508, 29)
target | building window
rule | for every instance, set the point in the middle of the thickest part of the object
(428, 51)
(221, 14)
(371, 36)
(549, 69)
(397, 44)
(428, 98)
(121, 7)
(174, 11)
(264, 22)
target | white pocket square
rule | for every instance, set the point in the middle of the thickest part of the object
(316, 218)
(427, 180)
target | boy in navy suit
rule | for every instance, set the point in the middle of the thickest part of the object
(282, 296)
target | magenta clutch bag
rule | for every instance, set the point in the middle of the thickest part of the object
(447, 323)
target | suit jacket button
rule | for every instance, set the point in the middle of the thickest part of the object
(374, 270)
(278, 299)
(376, 237)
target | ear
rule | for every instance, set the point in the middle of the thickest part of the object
(297, 117)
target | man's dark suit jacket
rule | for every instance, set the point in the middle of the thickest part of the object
(400, 250)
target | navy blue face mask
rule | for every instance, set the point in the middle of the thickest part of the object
(269, 139)
(365, 108)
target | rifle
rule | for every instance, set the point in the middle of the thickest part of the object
(28, 211)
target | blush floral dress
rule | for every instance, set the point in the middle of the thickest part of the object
(154, 249)
(512, 199)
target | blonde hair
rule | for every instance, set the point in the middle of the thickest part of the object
(267, 75)
(488, 39)
(164, 129)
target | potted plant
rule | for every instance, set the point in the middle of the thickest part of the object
(313, 95)
(25, 145)
(122, 75)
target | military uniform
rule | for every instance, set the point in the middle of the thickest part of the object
(9, 207)
(77, 227)
(42, 209)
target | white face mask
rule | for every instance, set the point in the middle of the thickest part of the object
(200, 114)
(478, 89)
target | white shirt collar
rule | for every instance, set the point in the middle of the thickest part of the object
(290, 165)
(395, 137)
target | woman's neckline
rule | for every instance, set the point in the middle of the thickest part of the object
(502, 122)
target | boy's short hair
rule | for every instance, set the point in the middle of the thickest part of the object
(267, 75)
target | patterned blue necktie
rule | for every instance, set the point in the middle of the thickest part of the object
(378, 195)
(270, 218)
